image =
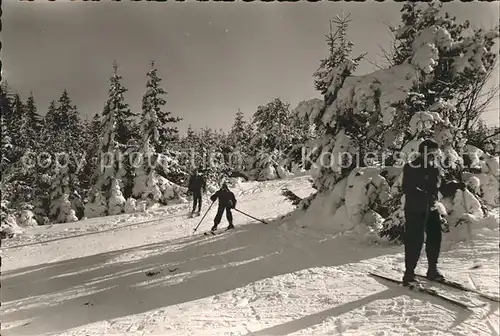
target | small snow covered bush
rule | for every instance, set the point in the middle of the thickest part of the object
(130, 206)
(9, 227)
(27, 219)
(116, 201)
(97, 207)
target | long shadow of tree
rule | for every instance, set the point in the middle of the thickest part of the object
(75, 292)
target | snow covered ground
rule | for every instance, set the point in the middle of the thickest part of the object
(91, 277)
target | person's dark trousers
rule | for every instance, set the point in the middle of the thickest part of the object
(197, 200)
(218, 216)
(416, 228)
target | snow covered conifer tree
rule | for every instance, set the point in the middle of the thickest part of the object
(156, 135)
(239, 138)
(387, 113)
(69, 124)
(92, 134)
(25, 124)
(161, 127)
(116, 126)
(304, 135)
(5, 144)
(272, 140)
(126, 131)
(50, 122)
(61, 209)
(62, 136)
(6, 138)
(239, 135)
(34, 119)
(6, 103)
(19, 126)
(125, 128)
(456, 62)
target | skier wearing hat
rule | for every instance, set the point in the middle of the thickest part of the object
(227, 201)
(421, 184)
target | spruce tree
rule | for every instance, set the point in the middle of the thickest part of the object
(272, 139)
(61, 208)
(5, 145)
(126, 130)
(239, 135)
(34, 119)
(69, 124)
(92, 135)
(273, 122)
(108, 165)
(455, 77)
(117, 133)
(64, 128)
(6, 103)
(189, 150)
(50, 135)
(19, 127)
(390, 111)
(156, 147)
(158, 123)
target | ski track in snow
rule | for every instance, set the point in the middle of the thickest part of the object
(255, 280)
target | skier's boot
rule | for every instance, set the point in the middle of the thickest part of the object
(214, 228)
(409, 279)
(434, 275)
(231, 226)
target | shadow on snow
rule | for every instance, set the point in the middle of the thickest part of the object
(71, 293)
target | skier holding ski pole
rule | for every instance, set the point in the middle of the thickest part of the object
(227, 201)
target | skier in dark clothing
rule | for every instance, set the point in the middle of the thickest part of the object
(421, 184)
(196, 185)
(227, 201)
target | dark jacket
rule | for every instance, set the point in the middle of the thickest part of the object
(226, 198)
(421, 185)
(196, 183)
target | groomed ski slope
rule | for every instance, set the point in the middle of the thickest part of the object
(89, 278)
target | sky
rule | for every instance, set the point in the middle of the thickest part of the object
(214, 58)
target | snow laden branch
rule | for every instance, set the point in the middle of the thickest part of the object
(370, 126)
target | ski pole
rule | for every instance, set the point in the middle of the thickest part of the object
(196, 228)
(260, 220)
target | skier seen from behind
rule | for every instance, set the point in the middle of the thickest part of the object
(227, 201)
(196, 185)
(421, 184)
